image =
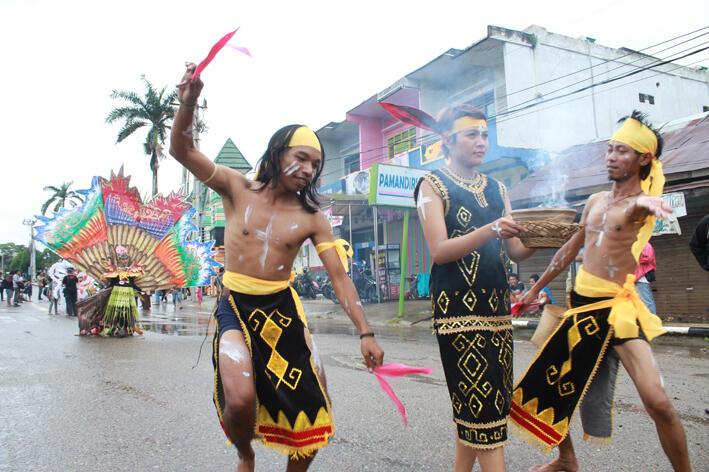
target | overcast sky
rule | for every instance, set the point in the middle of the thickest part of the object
(312, 61)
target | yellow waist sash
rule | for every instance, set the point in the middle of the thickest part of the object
(252, 286)
(339, 246)
(627, 310)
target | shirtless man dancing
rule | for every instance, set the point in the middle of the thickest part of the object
(269, 380)
(608, 322)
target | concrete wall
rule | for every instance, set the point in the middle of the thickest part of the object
(592, 114)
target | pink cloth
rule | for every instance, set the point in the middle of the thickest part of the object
(397, 370)
(646, 263)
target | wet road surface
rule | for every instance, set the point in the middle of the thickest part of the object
(69, 403)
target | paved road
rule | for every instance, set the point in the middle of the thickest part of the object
(99, 404)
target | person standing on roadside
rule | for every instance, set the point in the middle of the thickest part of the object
(70, 292)
(7, 287)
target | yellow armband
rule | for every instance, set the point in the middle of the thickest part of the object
(343, 248)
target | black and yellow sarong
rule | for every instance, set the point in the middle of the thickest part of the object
(471, 312)
(545, 400)
(293, 412)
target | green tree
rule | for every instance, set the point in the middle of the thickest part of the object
(21, 261)
(61, 197)
(45, 259)
(153, 110)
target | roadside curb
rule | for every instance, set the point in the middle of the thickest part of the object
(694, 331)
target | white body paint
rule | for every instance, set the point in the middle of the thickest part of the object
(280, 267)
(289, 168)
(497, 229)
(421, 204)
(292, 170)
(264, 236)
(316, 357)
(231, 350)
(603, 227)
(246, 374)
(654, 364)
(189, 132)
(247, 213)
(612, 270)
(293, 227)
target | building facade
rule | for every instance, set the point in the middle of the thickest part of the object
(542, 92)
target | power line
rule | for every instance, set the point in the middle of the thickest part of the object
(618, 67)
(607, 81)
(508, 115)
(607, 61)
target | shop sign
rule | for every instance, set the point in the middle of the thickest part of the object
(393, 185)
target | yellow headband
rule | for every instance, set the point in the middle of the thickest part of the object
(304, 136)
(637, 136)
(466, 122)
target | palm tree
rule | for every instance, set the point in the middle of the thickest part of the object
(155, 110)
(61, 197)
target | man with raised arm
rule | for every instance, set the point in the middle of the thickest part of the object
(579, 363)
(269, 380)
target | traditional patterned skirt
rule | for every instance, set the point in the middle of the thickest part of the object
(293, 412)
(574, 365)
(476, 352)
(121, 312)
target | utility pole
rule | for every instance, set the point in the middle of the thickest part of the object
(197, 187)
(33, 264)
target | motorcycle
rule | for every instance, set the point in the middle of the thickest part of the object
(305, 286)
(328, 291)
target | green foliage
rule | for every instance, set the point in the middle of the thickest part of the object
(44, 259)
(20, 262)
(154, 110)
(61, 197)
(10, 250)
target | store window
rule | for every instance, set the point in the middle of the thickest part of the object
(401, 142)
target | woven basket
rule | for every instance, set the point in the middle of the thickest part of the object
(546, 227)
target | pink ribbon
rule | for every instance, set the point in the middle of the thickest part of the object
(213, 52)
(397, 370)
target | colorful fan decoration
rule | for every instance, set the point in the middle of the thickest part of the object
(154, 236)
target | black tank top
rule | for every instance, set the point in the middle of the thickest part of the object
(477, 283)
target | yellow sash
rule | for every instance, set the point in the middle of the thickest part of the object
(252, 286)
(627, 310)
(339, 246)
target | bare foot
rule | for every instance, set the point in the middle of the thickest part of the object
(557, 465)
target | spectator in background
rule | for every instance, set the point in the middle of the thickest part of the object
(17, 285)
(41, 283)
(51, 296)
(7, 287)
(516, 288)
(177, 298)
(545, 295)
(644, 274)
(28, 288)
(699, 244)
(69, 282)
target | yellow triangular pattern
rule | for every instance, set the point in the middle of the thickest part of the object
(546, 416)
(302, 423)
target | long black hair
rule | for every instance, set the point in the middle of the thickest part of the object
(269, 167)
(642, 118)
